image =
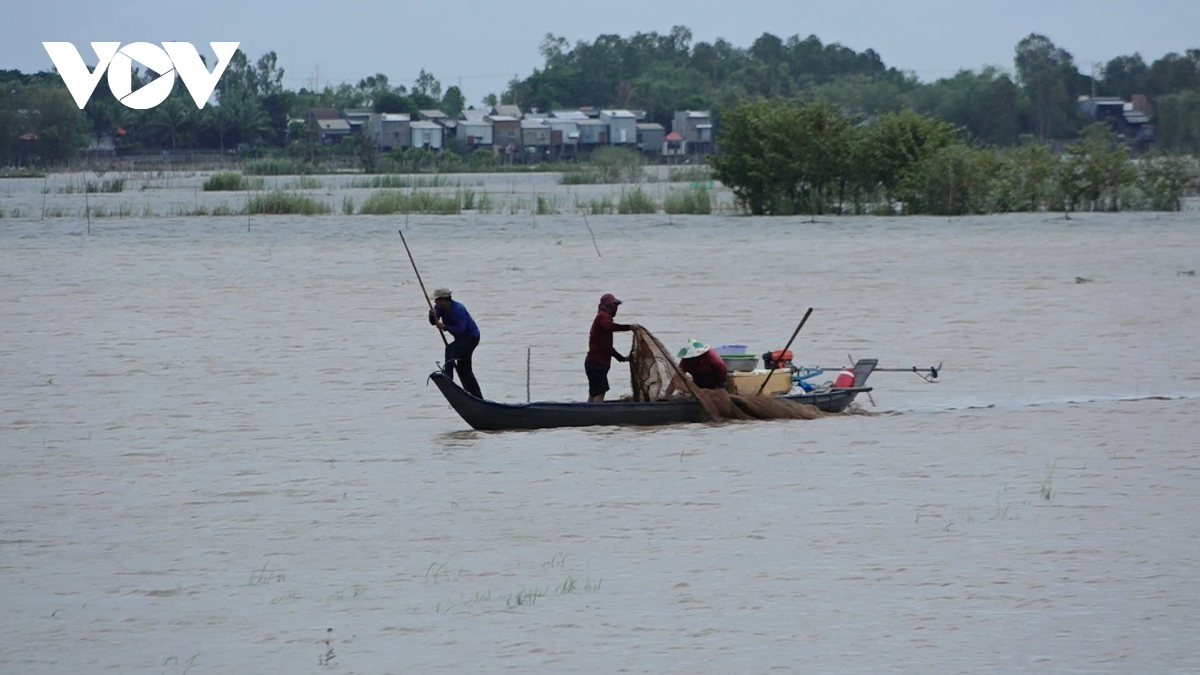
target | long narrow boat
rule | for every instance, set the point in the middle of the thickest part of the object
(492, 416)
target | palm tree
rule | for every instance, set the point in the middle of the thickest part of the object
(220, 120)
(170, 121)
(249, 118)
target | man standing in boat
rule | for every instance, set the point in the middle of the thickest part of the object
(453, 317)
(600, 347)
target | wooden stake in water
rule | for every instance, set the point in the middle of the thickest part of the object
(87, 208)
(589, 228)
(45, 191)
(528, 358)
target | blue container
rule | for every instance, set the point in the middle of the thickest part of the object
(731, 350)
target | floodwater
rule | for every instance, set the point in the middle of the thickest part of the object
(220, 453)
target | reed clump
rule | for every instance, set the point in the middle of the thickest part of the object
(387, 202)
(278, 202)
(278, 166)
(635, 201)
(231, 181)
(696, 200)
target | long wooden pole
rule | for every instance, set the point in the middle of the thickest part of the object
(789, 345)
(423, 291)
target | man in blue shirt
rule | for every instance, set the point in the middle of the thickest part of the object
(454, 318)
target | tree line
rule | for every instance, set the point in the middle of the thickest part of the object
(665, 73)
(654, 72)
(783, 158)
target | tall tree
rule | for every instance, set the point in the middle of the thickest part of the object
(1125, 76)
(453, 102)
(1049, 76)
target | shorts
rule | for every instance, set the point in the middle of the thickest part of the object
(597, 376)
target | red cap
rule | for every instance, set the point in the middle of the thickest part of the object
(609, 299)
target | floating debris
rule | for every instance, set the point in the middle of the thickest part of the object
(1189, 273)
(1082, 280)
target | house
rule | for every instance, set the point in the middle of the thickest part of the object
(357, 118)
(1127, 119)
(508, 111)
(568, 115)
(535, 138)
(622, 126)
(433, 116)
(674, 147)
(592, 134)
(696, 128)
(427, 135)
(506, 134)
(564, 135)
(476, 132)
(650, 139)
(390, 130)
(101, 147)
(472, 114)
(331, 126)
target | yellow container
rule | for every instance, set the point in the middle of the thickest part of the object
(747, 384)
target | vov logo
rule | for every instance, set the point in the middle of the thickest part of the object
(118, 60)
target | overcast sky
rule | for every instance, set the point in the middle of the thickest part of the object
(479, 45)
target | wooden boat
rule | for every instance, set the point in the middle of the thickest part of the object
(492, 416)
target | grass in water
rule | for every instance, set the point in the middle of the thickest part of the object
(399, 181)
(635, 201)
(280, 202)
(689, 174)
(385, 202)
(13, 172)
(693, 200)
(231, 181)
(304, 183)
(277, 167)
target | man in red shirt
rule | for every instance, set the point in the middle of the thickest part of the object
(600, 347)
(706, 367)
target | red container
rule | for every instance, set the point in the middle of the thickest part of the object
(844, 379)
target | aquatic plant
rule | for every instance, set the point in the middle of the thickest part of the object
(635, 201)
(279, 202)
(386, 201)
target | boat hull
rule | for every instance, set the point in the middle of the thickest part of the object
(492, 416)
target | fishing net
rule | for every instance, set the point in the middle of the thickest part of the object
(656, 377)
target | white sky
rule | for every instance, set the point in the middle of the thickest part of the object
(481, 45)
